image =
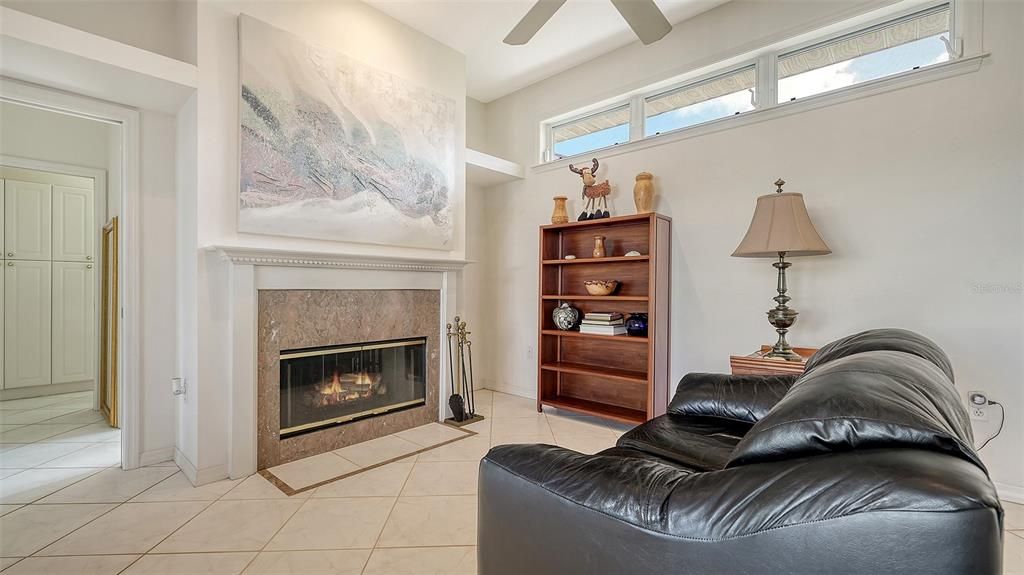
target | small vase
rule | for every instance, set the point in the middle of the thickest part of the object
(643, 192)
(560, 216)
(636, 325)
(565, 317)
(598, 246)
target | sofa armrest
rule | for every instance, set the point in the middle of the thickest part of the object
(544, 509)
(738, 397)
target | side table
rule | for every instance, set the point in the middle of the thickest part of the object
(757, 364)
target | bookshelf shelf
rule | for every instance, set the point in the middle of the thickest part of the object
(619, 377)
(623, 338)
(581, 261)
(596, 408)
(609, 298)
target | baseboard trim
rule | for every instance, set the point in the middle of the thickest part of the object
(155, 456)
(199, 477)
(211, 474)
(185, 465)
(512, 390)
(45, 390)
(1014, 493)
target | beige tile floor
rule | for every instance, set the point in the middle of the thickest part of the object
(413, 516)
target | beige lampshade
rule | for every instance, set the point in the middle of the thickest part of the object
(781, 224)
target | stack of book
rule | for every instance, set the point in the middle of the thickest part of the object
(603, 323)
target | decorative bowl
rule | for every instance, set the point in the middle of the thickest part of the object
(601, 287)
(636, 325)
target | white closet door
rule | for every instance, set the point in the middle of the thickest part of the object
(3, 311)
(26, 323)
(3, 183)
(27, 220)
(74, 321)
(73, 230)
(2, 255)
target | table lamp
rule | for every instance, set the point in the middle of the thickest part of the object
(781, 227)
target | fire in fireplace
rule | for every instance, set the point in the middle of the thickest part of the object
(333, 385)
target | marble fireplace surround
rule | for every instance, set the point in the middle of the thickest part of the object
(295, 319)
(251, 270)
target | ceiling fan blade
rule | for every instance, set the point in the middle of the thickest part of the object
(538, 15)
(644, 17)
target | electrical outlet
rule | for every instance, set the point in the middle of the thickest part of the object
(529, 352)
(178, 386)
(977, 405)
(979, 413)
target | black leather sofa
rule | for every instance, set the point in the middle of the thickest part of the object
(864, 464)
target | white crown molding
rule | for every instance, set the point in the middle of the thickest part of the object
(256, 256)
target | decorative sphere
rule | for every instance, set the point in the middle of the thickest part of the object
(565, 317)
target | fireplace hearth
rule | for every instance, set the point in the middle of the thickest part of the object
(334, 385)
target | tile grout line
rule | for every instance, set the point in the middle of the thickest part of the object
(388, 518)
(189, 520)
(44, 439)
(211, 503)
(40, 464)
(109, 511)
(271, 538)
(36, 501)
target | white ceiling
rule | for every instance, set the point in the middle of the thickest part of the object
(580, 31)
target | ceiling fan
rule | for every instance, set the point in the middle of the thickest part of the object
(643, 16)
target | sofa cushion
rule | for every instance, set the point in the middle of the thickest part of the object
(874, 399)
(742, 398)
(699, 443)
(889, 339)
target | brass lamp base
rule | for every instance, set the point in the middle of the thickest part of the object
(782, 317)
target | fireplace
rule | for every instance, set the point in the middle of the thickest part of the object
(321, 323)
(327, 386)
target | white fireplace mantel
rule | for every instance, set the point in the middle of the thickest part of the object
(260, 256)
(253, 268)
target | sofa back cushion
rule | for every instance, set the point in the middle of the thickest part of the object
(743, 398)
(889, 339)
(873, 399)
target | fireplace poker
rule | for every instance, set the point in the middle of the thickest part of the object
(463, 337)
(470, 391)
(455, 402)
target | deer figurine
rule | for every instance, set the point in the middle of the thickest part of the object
(595, 193)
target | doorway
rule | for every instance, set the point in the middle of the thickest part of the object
(74, 414)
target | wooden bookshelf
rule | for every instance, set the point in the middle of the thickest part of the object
(617, 377)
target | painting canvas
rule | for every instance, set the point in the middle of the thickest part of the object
(332, 148)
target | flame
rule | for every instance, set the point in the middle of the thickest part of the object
(346, 387)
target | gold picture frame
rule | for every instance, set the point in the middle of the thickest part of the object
(109, 305)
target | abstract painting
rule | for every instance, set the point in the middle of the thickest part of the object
(332, 148)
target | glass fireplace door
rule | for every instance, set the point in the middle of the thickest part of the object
(334, 385)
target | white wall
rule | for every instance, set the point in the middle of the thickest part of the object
(186, 411)
(159, 26)
(351, 28)
(43, 135)
(473, 283)
(917, 191)
(476, 125)
(158, 198)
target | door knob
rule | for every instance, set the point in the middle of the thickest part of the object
(88, 257)
(10, 264)
(10, 254)
(88, 267)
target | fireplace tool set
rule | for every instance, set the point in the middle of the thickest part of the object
(460, 355)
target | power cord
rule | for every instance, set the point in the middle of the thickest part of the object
(1002, 419)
